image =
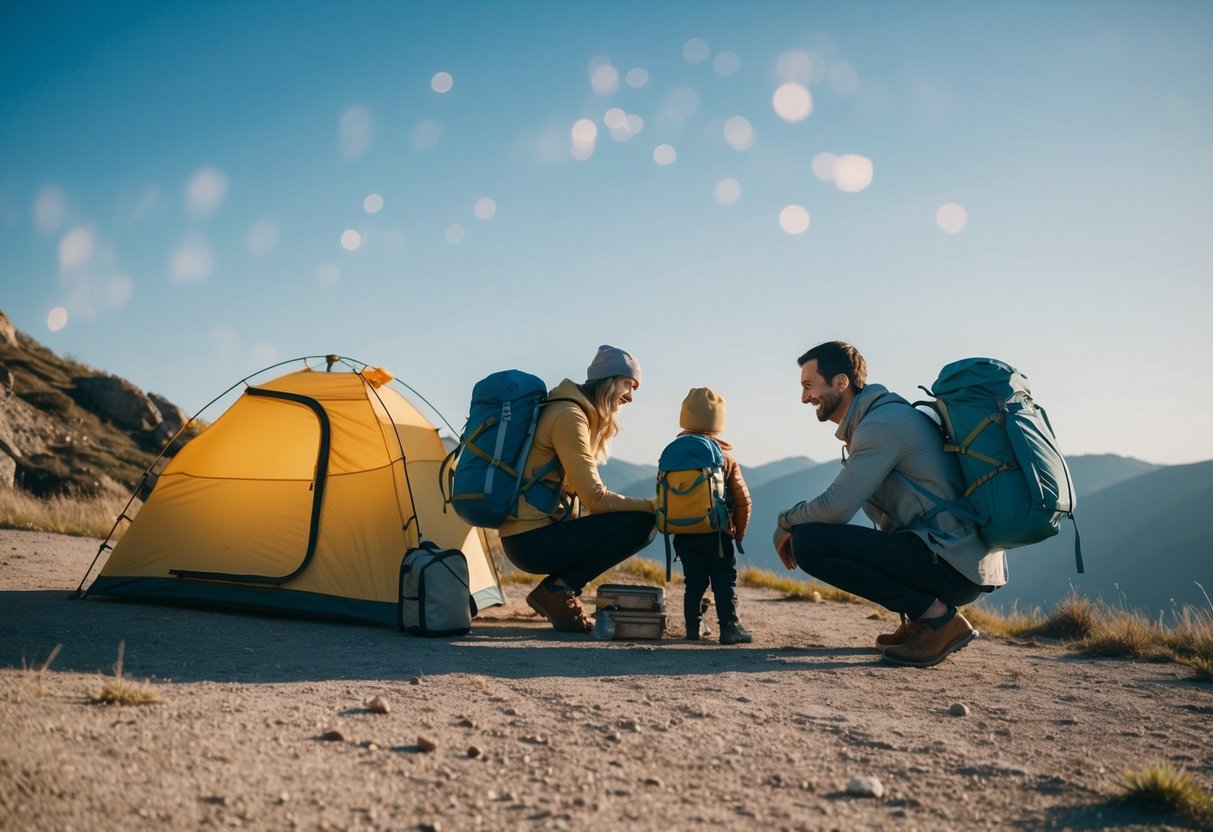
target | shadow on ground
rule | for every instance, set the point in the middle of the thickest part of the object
(189, 645)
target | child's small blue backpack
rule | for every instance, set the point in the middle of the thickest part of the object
(487, 480)
(690, 490)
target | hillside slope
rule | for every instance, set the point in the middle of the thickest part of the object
(66, 428)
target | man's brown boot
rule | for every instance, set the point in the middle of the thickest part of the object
(925, 646)
(561, 607)
(898, 636)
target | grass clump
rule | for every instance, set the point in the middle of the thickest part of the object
(1075, 617)
(1097, 629)
(77, 516)
(1202, 667)
(640, 569)
(633, 569)
(1125, 634)
(1014, 624)
(120, 691)
(1170, 789)
(793, 588)
(33, 679)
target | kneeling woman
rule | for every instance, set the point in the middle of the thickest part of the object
(591, 529)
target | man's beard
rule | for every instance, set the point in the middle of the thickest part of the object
(828, 405)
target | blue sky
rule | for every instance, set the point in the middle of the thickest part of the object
(189, 192)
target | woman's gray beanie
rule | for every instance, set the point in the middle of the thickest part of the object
(612, 361)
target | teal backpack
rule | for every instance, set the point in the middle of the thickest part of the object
(1016, 480)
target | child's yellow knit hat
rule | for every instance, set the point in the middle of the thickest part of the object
(702, 411)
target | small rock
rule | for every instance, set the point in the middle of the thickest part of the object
(332, 735)
(416, 680)
(378, 705)
(474, 752)
(465, 722)
(534, 739)
(510, 712)
(865, 787)
(614, 736)
(959, 709)
(654, 781)
(426, 745)
(430, 827)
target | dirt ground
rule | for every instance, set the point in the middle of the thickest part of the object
(263, 722)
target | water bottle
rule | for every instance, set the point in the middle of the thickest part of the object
(604, 623)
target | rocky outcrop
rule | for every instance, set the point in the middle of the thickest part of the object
(23, 432)
(8, 468)
(173, 418)
(118, 401)
(8, 332)
(66, 428)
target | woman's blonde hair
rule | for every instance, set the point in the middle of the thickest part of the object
(602, 394)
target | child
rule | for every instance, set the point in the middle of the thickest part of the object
(709, 557)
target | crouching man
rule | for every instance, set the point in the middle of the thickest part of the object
(921, 561)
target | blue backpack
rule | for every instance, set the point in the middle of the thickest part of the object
(1016, 480)
(486, 480)
(691, 493)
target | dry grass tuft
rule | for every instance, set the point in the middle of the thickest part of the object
(1203, 667)
(1014, 624)
(514, 577)
(119, 691)
(639, 569)
(1166, 788)
(1125, 634)
(633, 569)
(1074, 618)
(77, 516)
(793, 588)
(32, 681)
(1097, 629)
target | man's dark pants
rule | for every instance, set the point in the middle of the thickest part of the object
(895, 569)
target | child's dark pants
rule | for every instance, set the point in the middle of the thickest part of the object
(702, 565)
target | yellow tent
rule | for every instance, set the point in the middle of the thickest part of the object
(303, 497)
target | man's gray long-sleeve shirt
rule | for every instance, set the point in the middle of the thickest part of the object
(884, 434)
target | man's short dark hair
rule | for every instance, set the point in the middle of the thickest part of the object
(838, 358)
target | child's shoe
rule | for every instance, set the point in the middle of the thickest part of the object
(734, 633)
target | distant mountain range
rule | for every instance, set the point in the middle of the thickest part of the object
(1147, 532)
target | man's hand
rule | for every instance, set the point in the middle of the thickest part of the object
(783, 548)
